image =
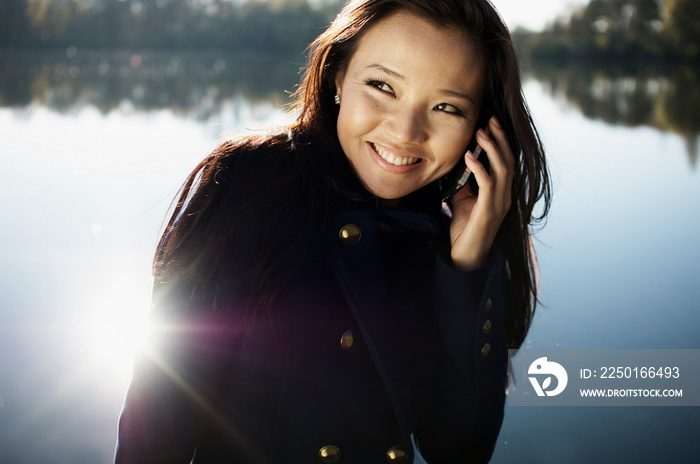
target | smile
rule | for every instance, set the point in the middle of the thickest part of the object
(395, 160)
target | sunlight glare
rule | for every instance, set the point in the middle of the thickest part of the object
(115, 316)
(115, 334)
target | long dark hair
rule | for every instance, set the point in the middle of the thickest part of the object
(231, 189)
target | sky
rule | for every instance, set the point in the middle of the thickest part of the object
(533, 14)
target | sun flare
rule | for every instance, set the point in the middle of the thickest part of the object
(115, 319)
(114, 337)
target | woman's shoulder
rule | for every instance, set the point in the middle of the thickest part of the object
(249, 166)
(253, 150)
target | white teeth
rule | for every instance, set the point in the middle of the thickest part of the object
(389, 158)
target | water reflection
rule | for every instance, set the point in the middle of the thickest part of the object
(667, 99)
(197, 85)
(192, 84)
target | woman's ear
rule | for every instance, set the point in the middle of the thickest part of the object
(339, 78)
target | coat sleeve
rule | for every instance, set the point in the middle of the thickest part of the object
(465, 416)
(171, 399)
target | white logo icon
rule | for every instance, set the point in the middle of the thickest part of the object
(542, 366)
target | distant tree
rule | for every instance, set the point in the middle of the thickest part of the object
(627, 30)
(271, 26)
(683, 26)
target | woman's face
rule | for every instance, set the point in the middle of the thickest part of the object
(410, 98)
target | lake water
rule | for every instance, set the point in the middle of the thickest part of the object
(94, 146)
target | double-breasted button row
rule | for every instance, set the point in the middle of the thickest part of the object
(486, 328)
(330, 454)
(350, 234)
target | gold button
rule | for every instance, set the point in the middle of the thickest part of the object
(350, 234)
(485, 350)
(488, 305)
(329, 454)
(347, 340)
(397, 454)
(487, 326)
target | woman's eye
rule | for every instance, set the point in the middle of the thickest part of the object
(383, 86)
(447, 108)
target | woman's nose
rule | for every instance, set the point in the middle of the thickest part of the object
(407, 125)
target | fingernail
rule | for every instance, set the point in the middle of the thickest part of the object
(495, 122)
(470, 154)
(482, 133)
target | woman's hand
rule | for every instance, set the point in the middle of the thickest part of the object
(476, 219)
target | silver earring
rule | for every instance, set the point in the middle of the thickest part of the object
(337, 99)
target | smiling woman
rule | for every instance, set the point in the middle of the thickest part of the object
(314, 298)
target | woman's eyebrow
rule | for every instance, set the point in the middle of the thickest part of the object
(391, 72)
(461, 95)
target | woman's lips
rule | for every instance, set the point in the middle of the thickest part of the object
(392, 159)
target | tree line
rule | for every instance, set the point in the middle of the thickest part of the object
(627, 30)
(615, 29)
(274, 26)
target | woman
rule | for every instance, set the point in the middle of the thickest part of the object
(313, 301)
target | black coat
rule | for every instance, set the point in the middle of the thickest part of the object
(378, 339)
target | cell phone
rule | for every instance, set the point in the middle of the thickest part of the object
(460, 176)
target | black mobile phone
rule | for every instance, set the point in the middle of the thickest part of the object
(460, 176)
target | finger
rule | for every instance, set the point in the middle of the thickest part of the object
(501, 138)
(483, 179)
(499, 135)
(501, 178)
(500, 174)
(501, 159)
(493, 152)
